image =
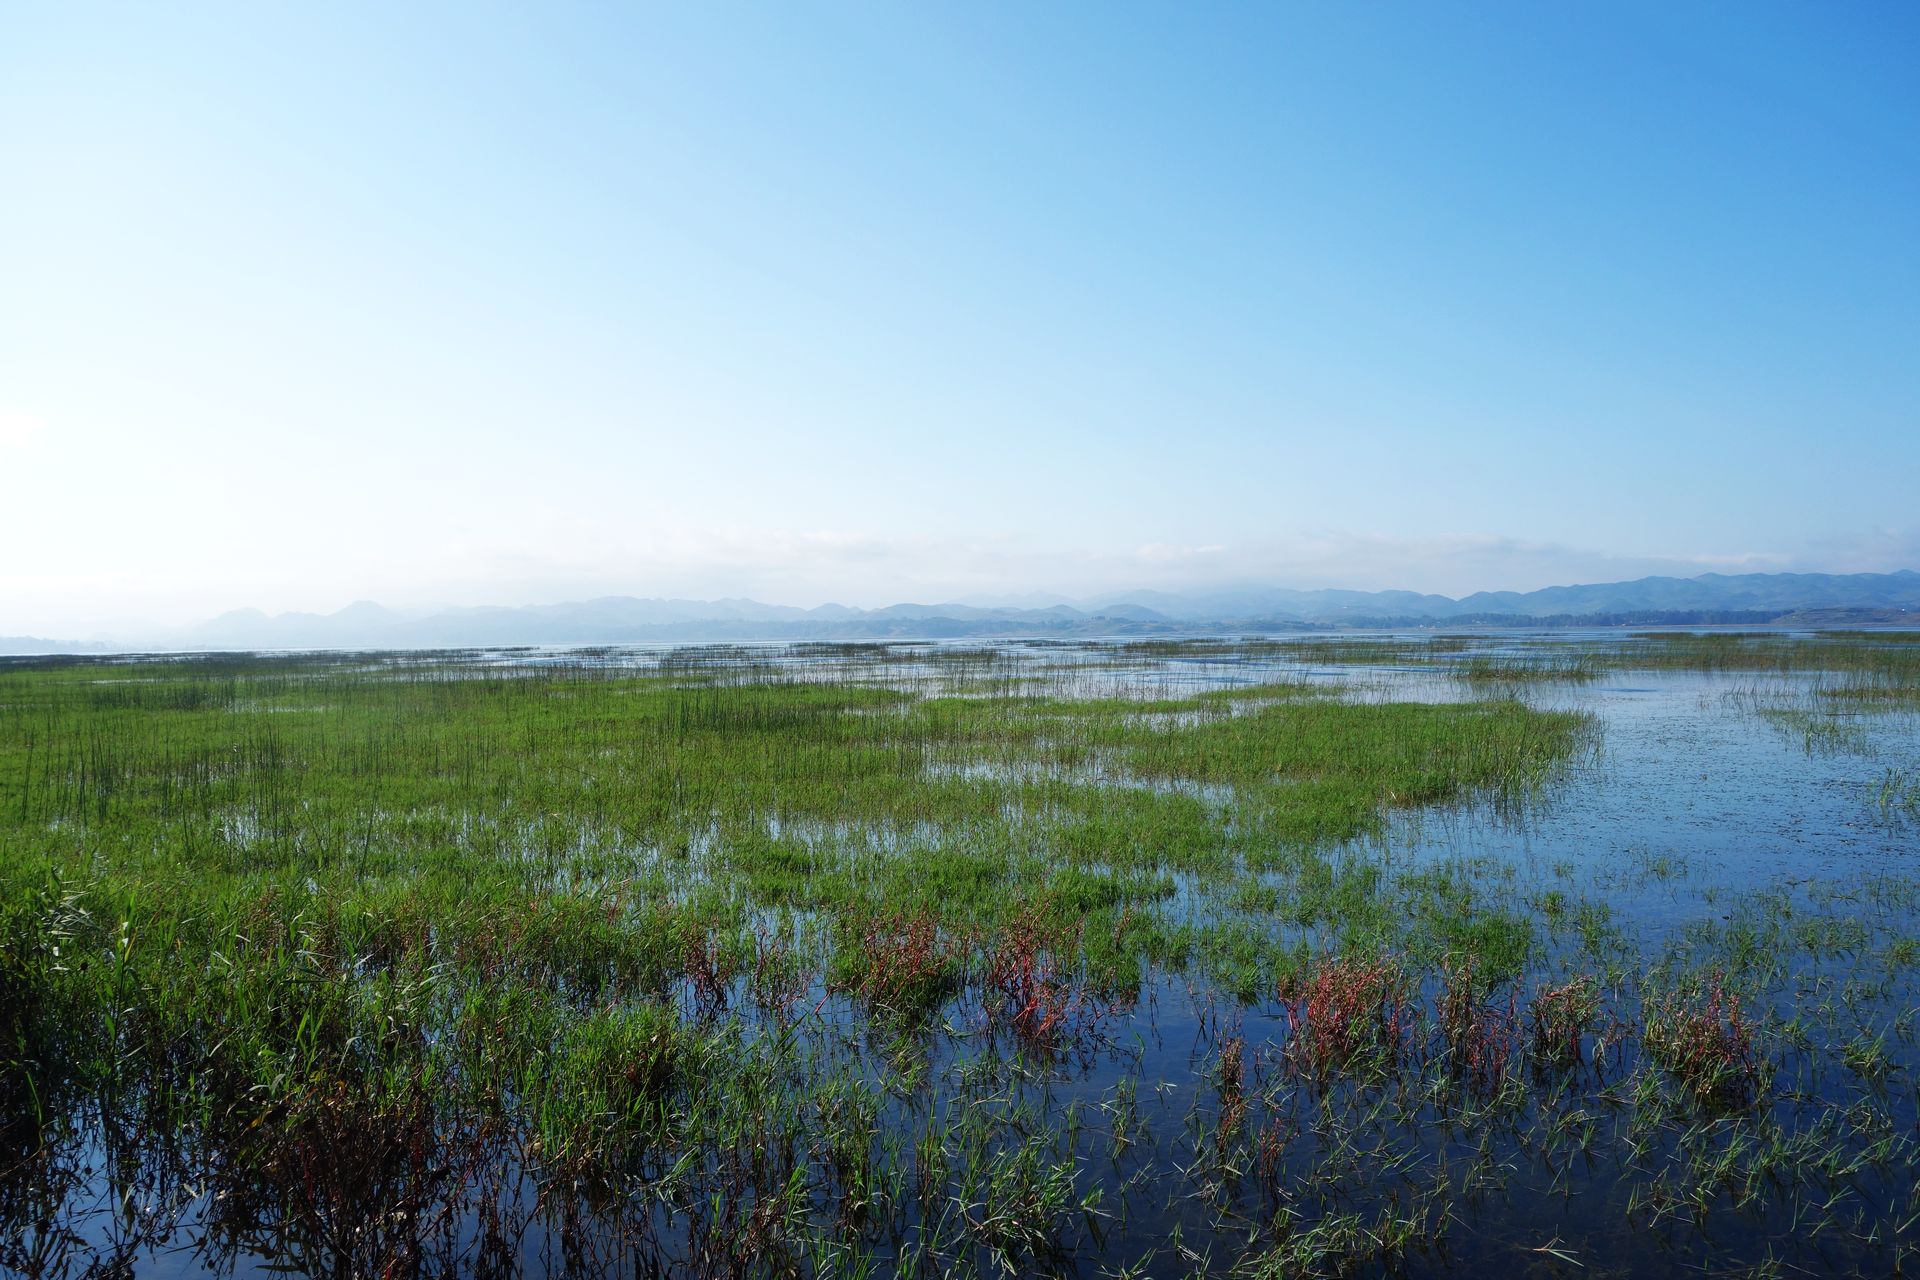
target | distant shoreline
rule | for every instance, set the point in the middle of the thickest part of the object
(940, 628)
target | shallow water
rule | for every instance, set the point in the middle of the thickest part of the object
(1697, 820)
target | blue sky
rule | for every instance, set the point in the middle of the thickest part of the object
(304, 304)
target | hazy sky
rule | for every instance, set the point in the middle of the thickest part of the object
(306, 303)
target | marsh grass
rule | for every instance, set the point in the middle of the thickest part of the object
(1889, 659)
(1816, 730)
(841, 958)
(1494, 672)
(1898, 794)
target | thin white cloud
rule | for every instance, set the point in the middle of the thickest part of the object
(18, 429)
(1881, 550)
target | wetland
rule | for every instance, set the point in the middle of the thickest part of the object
(1573, 954)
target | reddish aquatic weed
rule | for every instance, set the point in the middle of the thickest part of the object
(1233, 1093)
(1029, 990)
(1703, 1038)
(1480, 1037)
(1346, 1013)
(900, 964)
(778, 980)
(1561, 1017)
(709, 967)
(1270, 1151)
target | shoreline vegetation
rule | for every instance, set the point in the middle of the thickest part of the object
(839, 959)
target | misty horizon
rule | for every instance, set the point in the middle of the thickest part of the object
(1449, 570)
(617, 619)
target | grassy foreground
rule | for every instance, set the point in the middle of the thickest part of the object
(829, 963)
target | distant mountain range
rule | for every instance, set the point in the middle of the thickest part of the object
(1750, 598)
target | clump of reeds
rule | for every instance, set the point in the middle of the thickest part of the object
(1703, 1038)
(604, 1087)
(1232, 1072)
(900, 963)
(351, 1171)
(1547, 667)
(1031, 989)
(1347, 1014)
(1899, 793)
(1561, 1018)
(1480, 1037)
(709, 967)
(778, 980)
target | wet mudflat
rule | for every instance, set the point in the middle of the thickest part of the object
(1571, 955)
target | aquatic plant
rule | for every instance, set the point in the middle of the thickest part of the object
(1031, 992)
(1561, 1018)
(900, 964)
(1700, 1034)
(1481, 1037)
(1347, 1014)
